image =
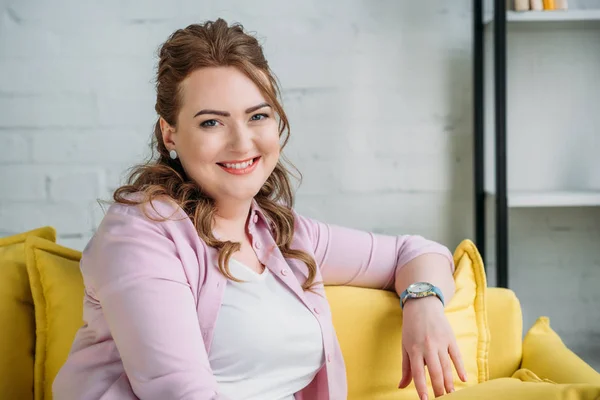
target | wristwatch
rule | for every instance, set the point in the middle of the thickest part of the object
(419, 290)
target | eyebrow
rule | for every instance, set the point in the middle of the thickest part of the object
(227, 114)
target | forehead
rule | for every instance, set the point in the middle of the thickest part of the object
(221, 88)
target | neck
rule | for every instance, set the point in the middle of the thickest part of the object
(230, 219)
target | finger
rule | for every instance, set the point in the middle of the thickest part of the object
(406, 374)
(435, 373)
(446, 365)
(454, 352)
(417, 368)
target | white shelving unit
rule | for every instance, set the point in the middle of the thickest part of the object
(528, 24)
(548, 16)
(551, 118)
(553, 199)
(550, 198)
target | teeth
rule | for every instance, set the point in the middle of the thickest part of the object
(239, 165)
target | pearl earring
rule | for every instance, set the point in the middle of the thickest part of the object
(173, 154)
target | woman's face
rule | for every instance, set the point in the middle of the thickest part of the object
(227, 136)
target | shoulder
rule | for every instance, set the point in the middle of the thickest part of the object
(302, 223)
(157, 221)
(309, 229)
(307, 223)
(150, 234)
(303, 229)
(159, 209)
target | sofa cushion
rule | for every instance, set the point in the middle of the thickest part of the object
(368, 323)
(17, 338)
(57, 291)
(525, 385)
(543, 349)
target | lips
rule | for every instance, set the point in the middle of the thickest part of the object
(240, 167)
(238, 164)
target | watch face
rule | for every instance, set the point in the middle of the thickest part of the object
(420, 287)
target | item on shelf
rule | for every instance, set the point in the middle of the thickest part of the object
(536, 5)
(521, 5)
(562, 4)
(549, 5)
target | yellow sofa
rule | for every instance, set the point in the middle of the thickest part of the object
(40, 310)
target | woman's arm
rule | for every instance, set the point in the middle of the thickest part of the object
(357, 258)
(135, 273)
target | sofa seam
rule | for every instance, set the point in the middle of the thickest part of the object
(45, 351)
(483, 344)
(481, 299)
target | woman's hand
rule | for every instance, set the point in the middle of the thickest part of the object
(428, 340)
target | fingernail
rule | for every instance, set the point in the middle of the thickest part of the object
(424, 397)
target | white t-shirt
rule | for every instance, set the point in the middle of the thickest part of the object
(267, 345)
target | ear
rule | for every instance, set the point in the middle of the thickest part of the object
(168, 134)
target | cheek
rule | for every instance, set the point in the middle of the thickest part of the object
(274, 146)
(271, 142)
(199, 151)
(193, 159)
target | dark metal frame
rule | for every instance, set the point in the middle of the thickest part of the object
(499, 135)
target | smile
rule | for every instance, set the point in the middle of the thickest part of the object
(241, 167)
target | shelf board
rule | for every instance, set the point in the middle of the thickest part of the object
(548, 16)
(522, 199)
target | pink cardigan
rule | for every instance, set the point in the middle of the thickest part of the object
(153, 291)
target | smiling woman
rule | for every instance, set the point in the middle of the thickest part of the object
(219, 113)
(202, 282)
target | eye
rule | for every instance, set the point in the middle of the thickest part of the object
(258, 117)
(209, 123)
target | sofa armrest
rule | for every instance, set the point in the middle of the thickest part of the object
(545, 354)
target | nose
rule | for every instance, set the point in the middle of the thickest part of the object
(241, 139)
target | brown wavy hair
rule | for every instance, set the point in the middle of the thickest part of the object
(213, 44)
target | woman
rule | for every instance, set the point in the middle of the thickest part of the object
(203, 283)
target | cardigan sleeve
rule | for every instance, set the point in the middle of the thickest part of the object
(354, 257)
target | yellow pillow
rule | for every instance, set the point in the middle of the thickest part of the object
(17, 335)
(525, 385)
(368, 324)
(543, 350)
(505, 320)
(57, 290)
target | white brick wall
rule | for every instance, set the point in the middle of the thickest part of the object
(379, 97)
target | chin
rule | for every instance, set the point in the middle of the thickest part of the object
(242, 194)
